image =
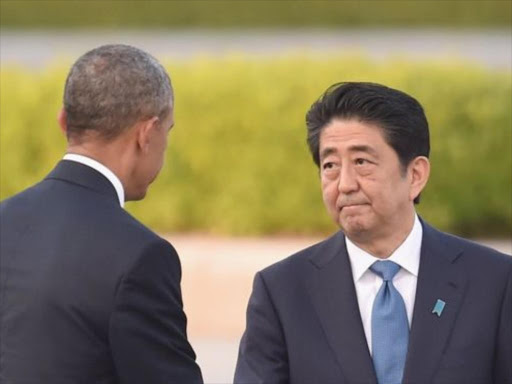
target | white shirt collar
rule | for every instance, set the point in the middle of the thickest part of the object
(118, 186)
(407, 255)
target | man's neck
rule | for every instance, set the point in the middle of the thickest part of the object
(105, 154)
(384, 246)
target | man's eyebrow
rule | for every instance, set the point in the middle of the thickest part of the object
(363, 148)
(327, 151)
(354, 148)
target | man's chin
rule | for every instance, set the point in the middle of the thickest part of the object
(352, 227)
(139, 195)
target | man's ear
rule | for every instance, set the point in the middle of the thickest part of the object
(63, 121)
(419, 171)
(145, 131)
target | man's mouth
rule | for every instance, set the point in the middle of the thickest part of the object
(350, 206)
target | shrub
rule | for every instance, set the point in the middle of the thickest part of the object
(238, 161)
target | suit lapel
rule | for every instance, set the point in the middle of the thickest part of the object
(333, 294)
(438, 278)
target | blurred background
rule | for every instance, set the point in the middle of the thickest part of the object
(239, 190)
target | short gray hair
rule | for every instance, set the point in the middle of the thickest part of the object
(112, 87)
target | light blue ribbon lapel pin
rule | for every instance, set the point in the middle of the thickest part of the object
(438, 308)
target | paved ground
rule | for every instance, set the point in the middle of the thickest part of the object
(490, 47)
(217, 280)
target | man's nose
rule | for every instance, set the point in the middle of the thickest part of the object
(347, 182)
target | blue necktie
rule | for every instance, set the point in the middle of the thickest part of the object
(390, 328)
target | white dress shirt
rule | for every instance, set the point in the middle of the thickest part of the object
(367, 283)
(118, 186)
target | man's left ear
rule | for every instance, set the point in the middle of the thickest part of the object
(145, 131)
(419, 171)
(62, 119)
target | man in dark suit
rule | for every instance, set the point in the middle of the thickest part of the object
(389, 299)
(89, 294)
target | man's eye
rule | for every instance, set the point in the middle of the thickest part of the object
(328, 165)
(361, 161)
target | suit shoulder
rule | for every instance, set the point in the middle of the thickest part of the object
(300, 260)
(19, 200)
(475, 249)
(134, 226)
(476, 258)
(136, 236)
(157, 250)
(133, 248)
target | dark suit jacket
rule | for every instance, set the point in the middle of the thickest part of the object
(304, 325)
(87, 293)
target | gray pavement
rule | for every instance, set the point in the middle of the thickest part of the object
(489, 47)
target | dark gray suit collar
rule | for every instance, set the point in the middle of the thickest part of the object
(87, 177)
(333, 294)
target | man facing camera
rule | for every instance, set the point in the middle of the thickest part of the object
(89, 294)
(388, 299)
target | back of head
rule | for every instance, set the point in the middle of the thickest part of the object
(112, 87)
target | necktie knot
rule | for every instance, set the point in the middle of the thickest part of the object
(385, 269)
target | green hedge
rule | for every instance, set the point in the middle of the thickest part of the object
(238, 162)
(244, 13)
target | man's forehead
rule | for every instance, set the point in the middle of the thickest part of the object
(351, 135)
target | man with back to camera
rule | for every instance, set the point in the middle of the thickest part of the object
(89, 294)
(388, 299)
